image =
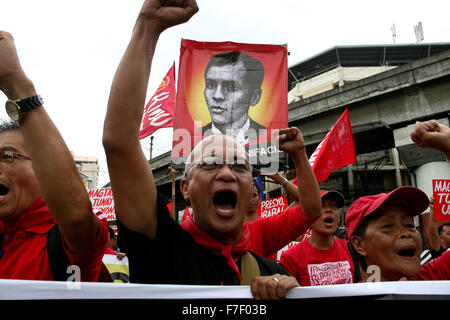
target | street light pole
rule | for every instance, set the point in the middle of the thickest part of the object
(151, 147)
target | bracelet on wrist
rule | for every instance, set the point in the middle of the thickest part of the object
(284, 183)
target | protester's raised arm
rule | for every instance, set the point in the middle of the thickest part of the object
(435, 241)
(132, 181)
(59, 181)
(290, 188)
(291, 141)
(431, 134)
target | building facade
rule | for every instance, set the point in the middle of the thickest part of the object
(89, 170)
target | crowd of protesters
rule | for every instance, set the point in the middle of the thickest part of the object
(45, 208)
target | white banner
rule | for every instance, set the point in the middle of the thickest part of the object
(50, 290)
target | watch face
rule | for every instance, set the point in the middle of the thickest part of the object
(12, 109)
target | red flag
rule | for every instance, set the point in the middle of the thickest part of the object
(159, 111)
(169, 207)
(336, 150)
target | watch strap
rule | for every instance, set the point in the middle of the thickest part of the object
(28, 104)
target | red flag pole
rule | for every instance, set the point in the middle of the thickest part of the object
(174, 211)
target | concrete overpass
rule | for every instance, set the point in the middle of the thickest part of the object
(378, 105)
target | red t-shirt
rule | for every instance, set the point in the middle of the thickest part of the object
(268, 235)
(25, 253)
(314, 267)
(108, 250)
(438, 269)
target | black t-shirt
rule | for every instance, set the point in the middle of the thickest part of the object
(173, 257)
(437, 254)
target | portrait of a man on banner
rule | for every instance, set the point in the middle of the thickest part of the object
(234, 89)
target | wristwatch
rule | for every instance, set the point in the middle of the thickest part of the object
(17, 109)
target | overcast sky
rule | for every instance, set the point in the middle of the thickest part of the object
(71, 49)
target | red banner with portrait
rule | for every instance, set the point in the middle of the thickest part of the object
(232, 88)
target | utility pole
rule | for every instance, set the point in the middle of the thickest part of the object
(151, 147)
(394, 32)
(418, 30)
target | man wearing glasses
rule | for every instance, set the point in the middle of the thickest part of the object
(40, 187)
(212, 247)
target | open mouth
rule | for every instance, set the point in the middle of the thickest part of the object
(407, 253)
(3, 190)
(225, 202)
(328, 220)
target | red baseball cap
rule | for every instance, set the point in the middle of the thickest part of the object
(414, 200)
(334, 195)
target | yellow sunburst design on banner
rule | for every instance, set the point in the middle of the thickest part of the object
(164, 83)
(195, 99)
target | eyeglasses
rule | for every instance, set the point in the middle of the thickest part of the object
(7, 157)
(213, 164)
